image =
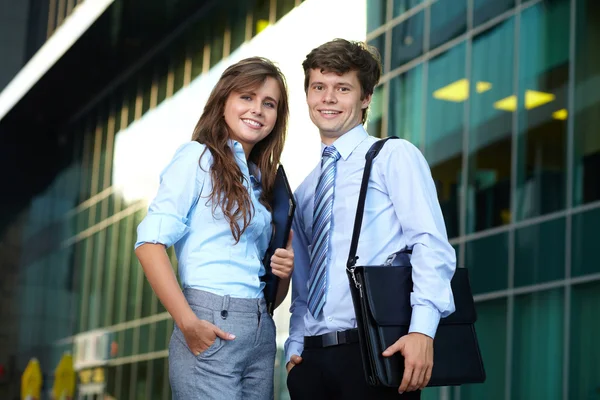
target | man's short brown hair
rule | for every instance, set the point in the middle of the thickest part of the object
(341, 56)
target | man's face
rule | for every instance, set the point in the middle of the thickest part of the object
(334, 103)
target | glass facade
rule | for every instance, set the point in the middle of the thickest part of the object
(501, 98)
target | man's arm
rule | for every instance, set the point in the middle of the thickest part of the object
(295, 343)
(412, 191)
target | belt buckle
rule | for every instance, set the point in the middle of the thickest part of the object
(330, 339)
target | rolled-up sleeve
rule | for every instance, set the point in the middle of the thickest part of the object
(180, 187)
(413, 193)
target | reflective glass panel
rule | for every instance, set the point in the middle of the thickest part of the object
(407, 40)
(584, 368)
(538, 346)
(487, 261)
(448, 21)
(584, 244)
(586, 178)
(375, 14)
(540, 253)
(484, 10)
(542, 105)
(491, 115)
(405, 110)
(447, 92)
(401, 6)
(491, 333)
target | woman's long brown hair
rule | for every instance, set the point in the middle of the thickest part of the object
(228, 190)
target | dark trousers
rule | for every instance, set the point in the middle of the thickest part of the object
(336, 372)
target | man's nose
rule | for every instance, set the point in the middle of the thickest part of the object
(329, 97)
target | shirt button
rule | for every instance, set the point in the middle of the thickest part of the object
(330, 319)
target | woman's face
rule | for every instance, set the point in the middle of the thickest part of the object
(251, 115)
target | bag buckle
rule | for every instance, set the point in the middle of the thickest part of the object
(390, 260)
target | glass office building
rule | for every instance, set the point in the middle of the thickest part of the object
(502, 97)
(85, 143)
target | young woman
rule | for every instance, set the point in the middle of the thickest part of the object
(213, 205)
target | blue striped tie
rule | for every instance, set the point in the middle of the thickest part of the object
(317, 281)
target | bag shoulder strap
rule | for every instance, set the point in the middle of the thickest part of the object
(371, 154)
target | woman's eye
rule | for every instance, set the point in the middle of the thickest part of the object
(246, 98)
(270, 105)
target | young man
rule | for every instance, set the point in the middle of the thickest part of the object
(401, 211)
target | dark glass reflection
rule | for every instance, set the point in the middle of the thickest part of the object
(542, 105)
(448, 90)
(407, 40)
(586, 176)
(491, 116)
(448, 21)
(538, 345)
(405, 110)
(485, 10)
(487, 261)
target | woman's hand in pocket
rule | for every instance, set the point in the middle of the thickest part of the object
(282, 262)
(200, 335)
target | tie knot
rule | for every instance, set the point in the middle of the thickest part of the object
(331, 152)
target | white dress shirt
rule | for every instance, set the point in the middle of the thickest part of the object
(401, 211)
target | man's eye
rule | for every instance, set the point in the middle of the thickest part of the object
(344, 89)
(318, 87)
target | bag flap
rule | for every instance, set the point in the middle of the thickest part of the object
(388, 289)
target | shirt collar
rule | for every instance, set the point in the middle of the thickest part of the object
(238, 151)
(349, 141)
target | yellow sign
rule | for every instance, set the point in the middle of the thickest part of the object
(95, 375)
(31, 381)
(64, 379)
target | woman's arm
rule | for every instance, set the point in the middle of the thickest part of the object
(199, 334)
(159, 272)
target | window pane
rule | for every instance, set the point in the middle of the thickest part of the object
(375, 113)
(158, 374)
(217, 40)
(407, 40)
(124, 256)
(542, 104)
(401, 6)
(379, 44)
(237, 25)
(405, 106)
(261, 16)
(587, 103)
(538, 346)
(584, 368)
(540, 253)
(488, 197)
(487, 261)
(448, 21)
(375, 14)
(491, 333)
(444, 133)
(484, 10)
(284, 7)
(584, 245)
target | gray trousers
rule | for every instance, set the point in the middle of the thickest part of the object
(228, 370)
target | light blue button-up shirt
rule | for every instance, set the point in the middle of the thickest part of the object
(181, 214)
(401, 211)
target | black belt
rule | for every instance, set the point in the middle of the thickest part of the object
(331, 339)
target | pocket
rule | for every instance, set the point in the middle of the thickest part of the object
(207, 315)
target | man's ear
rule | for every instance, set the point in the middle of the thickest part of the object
(366, 101)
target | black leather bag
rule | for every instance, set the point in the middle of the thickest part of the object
(381, 298)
